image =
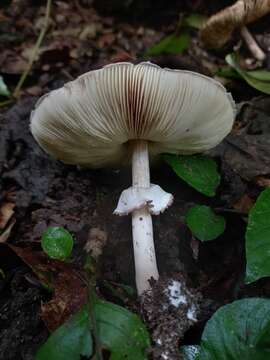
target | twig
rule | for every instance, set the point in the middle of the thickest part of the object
(6, 102)
(35, 51)
(232, 211)
(252, 45)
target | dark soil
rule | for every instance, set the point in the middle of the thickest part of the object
(48, 193)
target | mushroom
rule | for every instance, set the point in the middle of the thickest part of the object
(125, 113)
(218, 29)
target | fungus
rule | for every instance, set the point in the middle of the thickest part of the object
(218, 29)
(125, 113)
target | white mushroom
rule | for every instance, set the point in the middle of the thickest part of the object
(124, 112)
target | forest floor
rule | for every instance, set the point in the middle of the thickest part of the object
(37, 192)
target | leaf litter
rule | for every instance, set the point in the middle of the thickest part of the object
(51, 194)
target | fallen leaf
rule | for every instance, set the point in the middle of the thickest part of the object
(69, 288)
(106, 40)
(6, 212)
(6, 233)
(70, 293)
(244, 204)
(263, 181)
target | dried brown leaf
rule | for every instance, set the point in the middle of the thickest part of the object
(6, 233)
(67, 282)
(6, 212)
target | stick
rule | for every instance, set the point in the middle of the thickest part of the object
(35, 51)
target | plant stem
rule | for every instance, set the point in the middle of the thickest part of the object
(35, 50)
(142, 228)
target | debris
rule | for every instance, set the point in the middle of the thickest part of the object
(6, 212)
(96, 241)
(64, 279)
(169, 309)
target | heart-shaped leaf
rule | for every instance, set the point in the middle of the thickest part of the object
(258, 239)
(204, 223)
(119, 331)
(198, 171)
(69, 341)
(57, 243)
(172, 44)
(240, 330)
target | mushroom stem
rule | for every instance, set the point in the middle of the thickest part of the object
(142, 228)
(254, 48)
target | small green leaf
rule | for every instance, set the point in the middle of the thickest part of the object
(3, 88)
(57, 243)
(240, 330)
(258, 239)
(195, 21)
(204, 223)
(190, 352)
(118, 330)
(258, 79)
(198, 171)
(69, 341)
(172, 44)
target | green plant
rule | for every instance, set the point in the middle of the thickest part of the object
(57, 243)
(178, 41)
(204, 223)
(119, 331)
(258, 239)
(240, 330)
(258, 79)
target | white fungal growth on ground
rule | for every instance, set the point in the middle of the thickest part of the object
(175, 294)
(191, 314)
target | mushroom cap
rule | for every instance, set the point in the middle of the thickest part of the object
(92, 120)
(218, 29)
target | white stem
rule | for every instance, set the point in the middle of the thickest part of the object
(254, 48)
(142, 228)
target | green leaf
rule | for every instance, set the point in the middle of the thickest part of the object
(240, 330)
(172, 44)
(258, 239)
(57, 243)
(228, 72)
(118, 330)
(69, 341)
(204, 223)
(198, 171)
(262, 75)
(258, 79)
(121, 332)
(190, 352)
(3, 88)
(195, 21)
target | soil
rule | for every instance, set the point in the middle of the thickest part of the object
(48, 193)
